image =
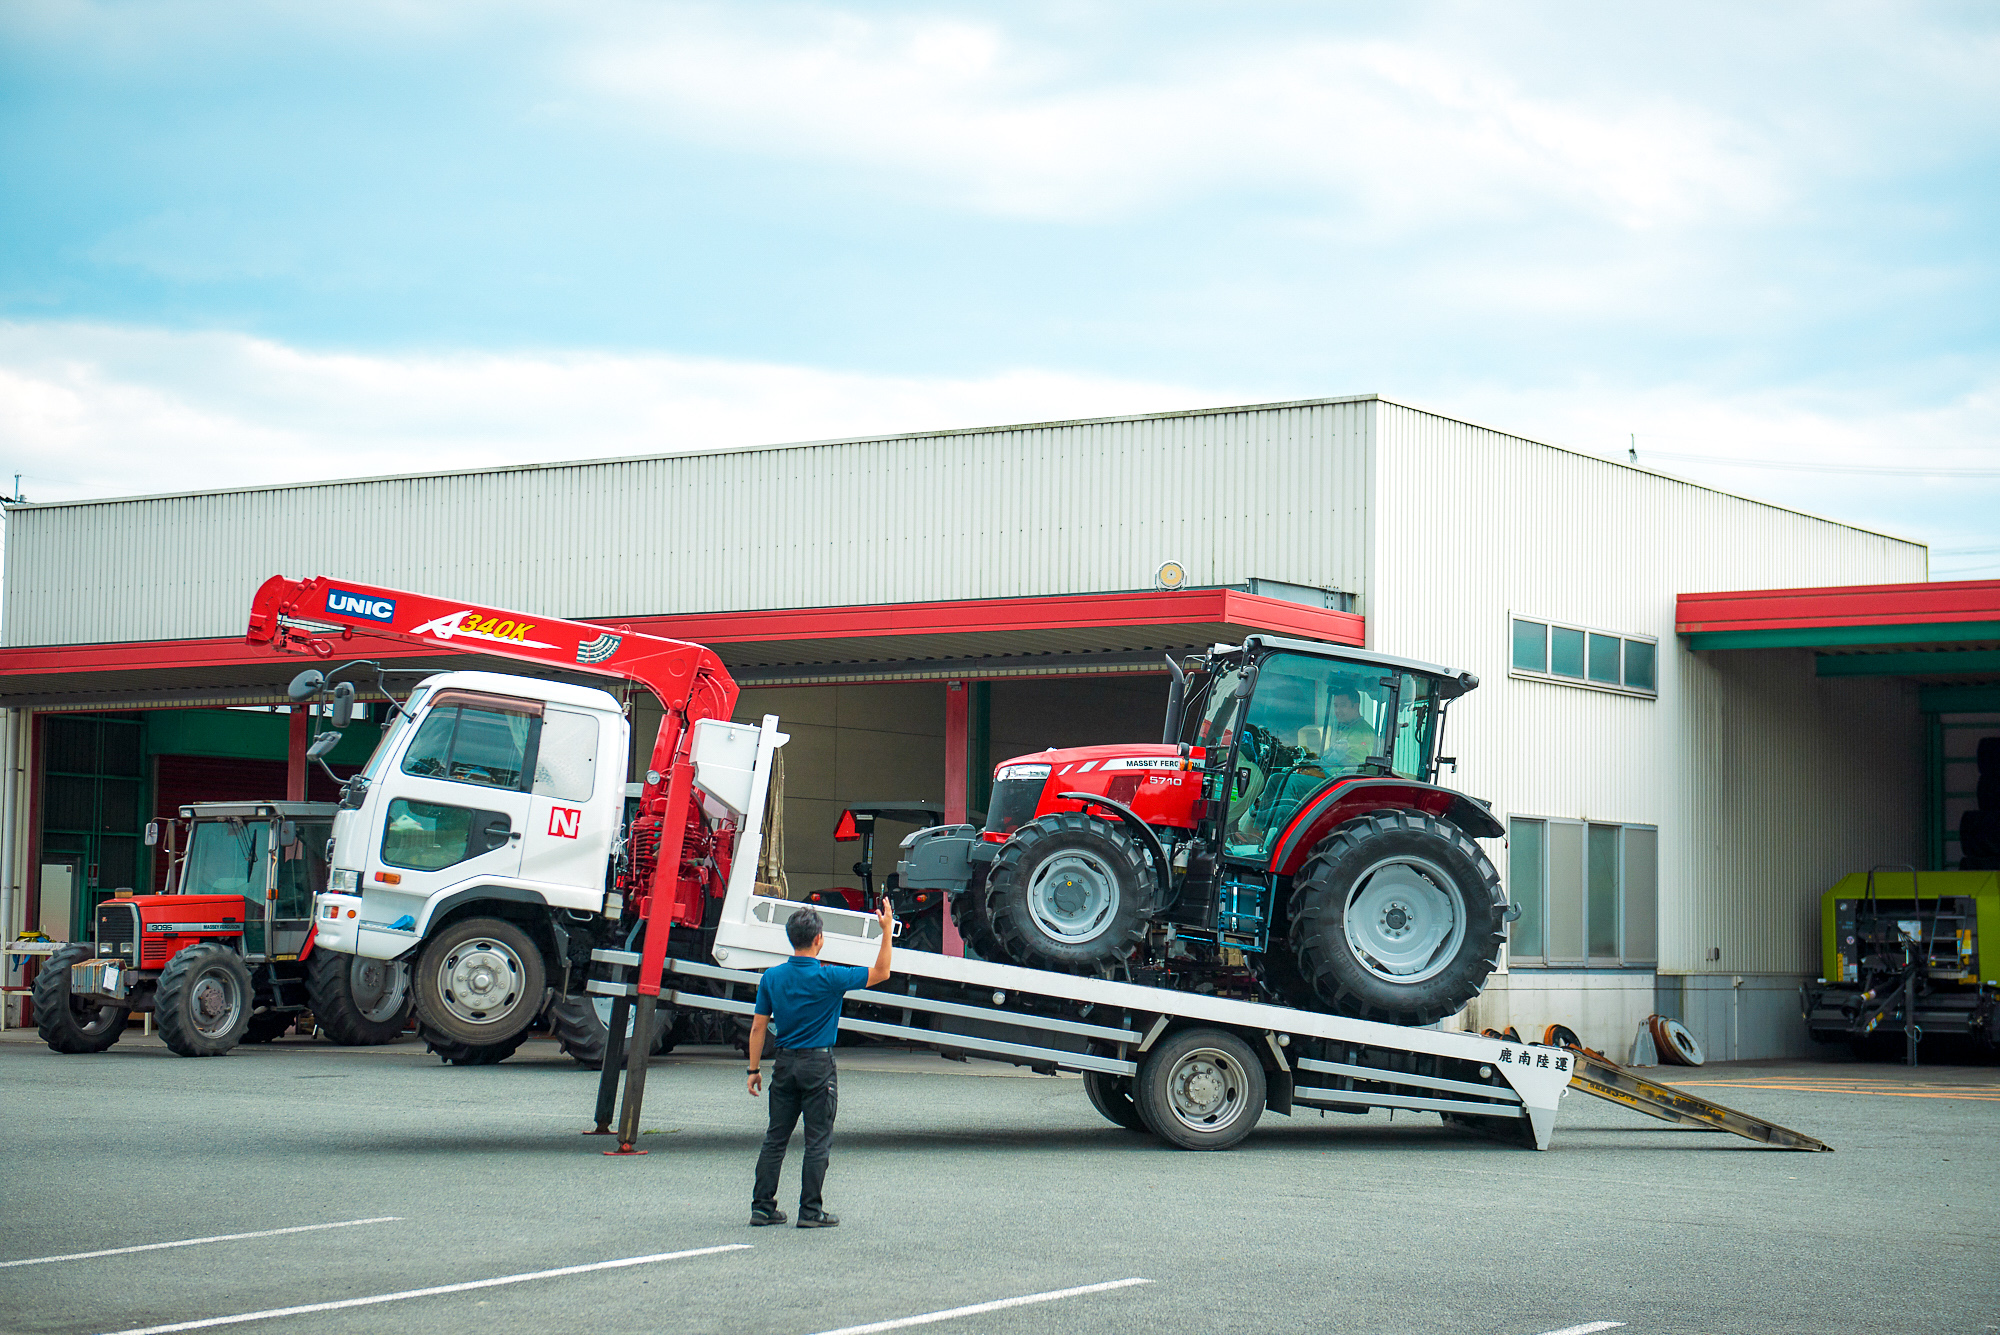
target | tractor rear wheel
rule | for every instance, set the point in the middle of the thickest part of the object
(1111, 1095)
(203, 1001)
(454, 1053)
(66, 1023)
(479, 982)
(359, 1003)
(1068, 892)
(582, 1026)
(1396, 916)
(1200, 1089)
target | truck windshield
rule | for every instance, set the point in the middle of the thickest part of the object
(395, 730)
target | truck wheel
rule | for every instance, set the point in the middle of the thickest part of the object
(359, 1002)
(267, 1025)
(1068, 892)
(202, 1004)
(1200, 1089)
(1396, 916)
(65, 1022)
(479, 982)
(454, 1053)
(582, 1025)
(1111, 1095)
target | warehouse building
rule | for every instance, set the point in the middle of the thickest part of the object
(1677, 791)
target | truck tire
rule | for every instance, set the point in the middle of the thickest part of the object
(479, 982)
(1111, 1095)
(1396, 916)
(969, 915)
(359, 1002)
(453, 1053)
(65, 1023)
(267, 1025)
(1200, 1089)
(1068, 892)
(581, 1026)
(202, 1004)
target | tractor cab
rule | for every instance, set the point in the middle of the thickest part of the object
(272, 854)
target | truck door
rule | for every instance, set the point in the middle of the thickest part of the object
(454, 810)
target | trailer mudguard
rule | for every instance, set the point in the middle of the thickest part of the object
(1342, 799)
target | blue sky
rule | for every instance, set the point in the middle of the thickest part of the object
(250, 242)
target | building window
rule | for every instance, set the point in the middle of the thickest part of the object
(1588, 893)
(1580, 656)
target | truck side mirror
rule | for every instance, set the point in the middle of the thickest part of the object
(343, 704)
(152, 834)
(322, 744)
(305, 686)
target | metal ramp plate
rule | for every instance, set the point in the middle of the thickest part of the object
(1607, 1080)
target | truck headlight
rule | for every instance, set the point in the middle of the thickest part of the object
(345, 882)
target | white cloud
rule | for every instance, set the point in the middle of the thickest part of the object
(1406, 132)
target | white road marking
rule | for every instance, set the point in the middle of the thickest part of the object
(196, 1242)
(371, 1301)
(1590, 1329)
(976, 1308)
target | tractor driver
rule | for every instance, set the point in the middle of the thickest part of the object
(1350, 739)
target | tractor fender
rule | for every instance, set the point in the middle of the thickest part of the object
(306, 947)
(1343, 799)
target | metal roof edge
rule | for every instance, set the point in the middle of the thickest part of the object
(712, 452)
(1654, 472)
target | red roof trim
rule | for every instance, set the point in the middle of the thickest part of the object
(808, 623)
(1852, 605)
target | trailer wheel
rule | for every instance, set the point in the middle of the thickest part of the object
(453, 1053)
(1200, 1089)
(1397, 916)
(267, 1025)
(479, 982)
(1068, 892)
(1111, 1095)
(202, 1004)
(359, 1002)
(67, 1024)
(582, 1025)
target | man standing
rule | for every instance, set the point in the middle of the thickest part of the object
(804, 995)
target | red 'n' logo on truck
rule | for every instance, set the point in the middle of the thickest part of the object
(565, 822)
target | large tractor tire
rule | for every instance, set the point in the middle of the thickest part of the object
(582, 1026)
(203, 1001)
(1200, 1089)
(479, 982)
(359, 1003)
(1396, 916)
(453, 1053)
(65, 1023)
(1111, 1095)
(1068, 892)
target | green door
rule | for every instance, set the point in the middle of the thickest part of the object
(93, 804)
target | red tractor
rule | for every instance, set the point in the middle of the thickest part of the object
(225, 955)
(1286, 841)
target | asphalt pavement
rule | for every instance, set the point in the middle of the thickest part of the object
(961, 1185)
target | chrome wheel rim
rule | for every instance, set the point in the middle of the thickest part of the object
(1206, 1089)
(1072, 896)
(214, 1003)
(1403, 921)
(379, 988)
(479, 980)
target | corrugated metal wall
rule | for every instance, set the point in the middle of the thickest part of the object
(1279, 492)
(1766, 783)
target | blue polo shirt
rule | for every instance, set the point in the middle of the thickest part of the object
(803, 996)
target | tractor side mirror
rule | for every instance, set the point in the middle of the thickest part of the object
(152, 834)
(305, 686)
(322, 744)
(288, 833)
(343, 704)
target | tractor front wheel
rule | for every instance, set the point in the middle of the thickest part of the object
(359, 1002)
(203, 1001)
(268, 1025)
(1068, 892)
(1397, 916)
(68, 1023)
(479, 982)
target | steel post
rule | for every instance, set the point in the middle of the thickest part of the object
(635, 1074)
(614, 1057)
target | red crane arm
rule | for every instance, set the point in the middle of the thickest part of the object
(311, 616)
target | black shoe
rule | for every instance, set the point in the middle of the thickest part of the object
(765, 1218)
(824, 1219)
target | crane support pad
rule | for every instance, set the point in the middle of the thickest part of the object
(1607, 1080)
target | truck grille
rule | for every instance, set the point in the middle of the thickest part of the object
(118, 930)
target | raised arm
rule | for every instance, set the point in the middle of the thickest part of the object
(879, 970)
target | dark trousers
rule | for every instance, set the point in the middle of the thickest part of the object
(801, 1082)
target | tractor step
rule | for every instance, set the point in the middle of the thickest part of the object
(1607, 1080)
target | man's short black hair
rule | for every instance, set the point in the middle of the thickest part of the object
(802, 927)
